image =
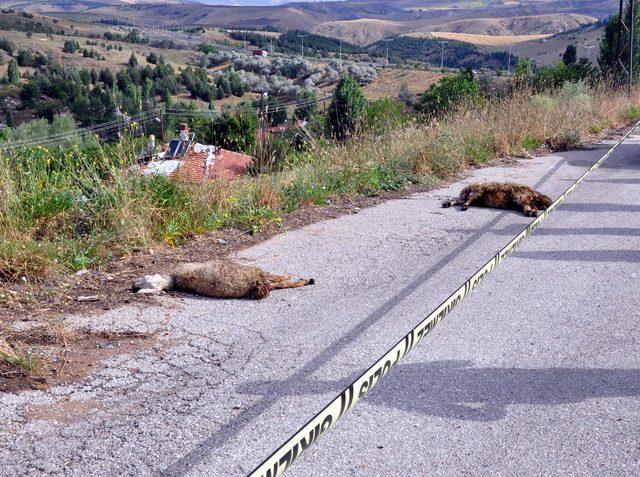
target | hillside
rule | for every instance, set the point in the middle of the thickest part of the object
(361, 21)
(547, 51)
(526, 25)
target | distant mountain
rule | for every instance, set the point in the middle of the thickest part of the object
(359, 21)
(261, 3)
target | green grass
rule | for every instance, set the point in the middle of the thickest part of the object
(530, 142)
(26, 361)
(65, 210)
(632, 113)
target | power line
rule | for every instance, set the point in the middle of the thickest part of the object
(103, 128)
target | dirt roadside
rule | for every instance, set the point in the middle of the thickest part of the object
(65, 356)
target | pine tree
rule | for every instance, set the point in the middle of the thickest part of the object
(345, 111)
(9, 115)
(133, 61)
(13, 72)
(570, 55)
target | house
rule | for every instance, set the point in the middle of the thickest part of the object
(262, 53)
(195, 162)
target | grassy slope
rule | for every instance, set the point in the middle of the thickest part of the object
(549, 51)
(58, 214)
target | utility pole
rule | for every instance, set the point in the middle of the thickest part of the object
(442, 43)
(589, 48)
(387, 41)
(302, 37)
(509, 63)
(631, 42)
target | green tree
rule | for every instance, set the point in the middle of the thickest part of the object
(570, 55)
(224, 86)
(7, 46)
(346, 109)
(24, 58)
(236, 132)
(236, 84)
(133, 61)
(13, 72)
(447, 95)
(30, 93)
(70, 46)
(152, 58)
(106, 77)
(308, 104)
(383, 115)
(9, 117)
(524, 72)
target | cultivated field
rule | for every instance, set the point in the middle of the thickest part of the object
(480, 40)
(389, 82)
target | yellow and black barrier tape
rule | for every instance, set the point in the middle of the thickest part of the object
(291, 450)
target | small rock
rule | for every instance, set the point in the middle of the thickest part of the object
(221, 241)
(84, 271)
(88, 298)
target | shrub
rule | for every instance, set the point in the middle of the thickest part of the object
(7, 46)
(362, 74)
(70, 46)
(632, 113)
(564, 140)
(384, 115)
(445, 96)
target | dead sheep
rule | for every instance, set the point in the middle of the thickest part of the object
(219, 279)
(498, 195)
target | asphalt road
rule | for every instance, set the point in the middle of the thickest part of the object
(537, 373)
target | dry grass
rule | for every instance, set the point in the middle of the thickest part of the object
(389, 81)
(52, 224)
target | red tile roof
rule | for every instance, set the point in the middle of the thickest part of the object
(223, 164)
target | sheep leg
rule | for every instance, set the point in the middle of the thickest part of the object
(278, 278)
(530, 211)
(296, 284)
(451, 203)
(470, 199)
